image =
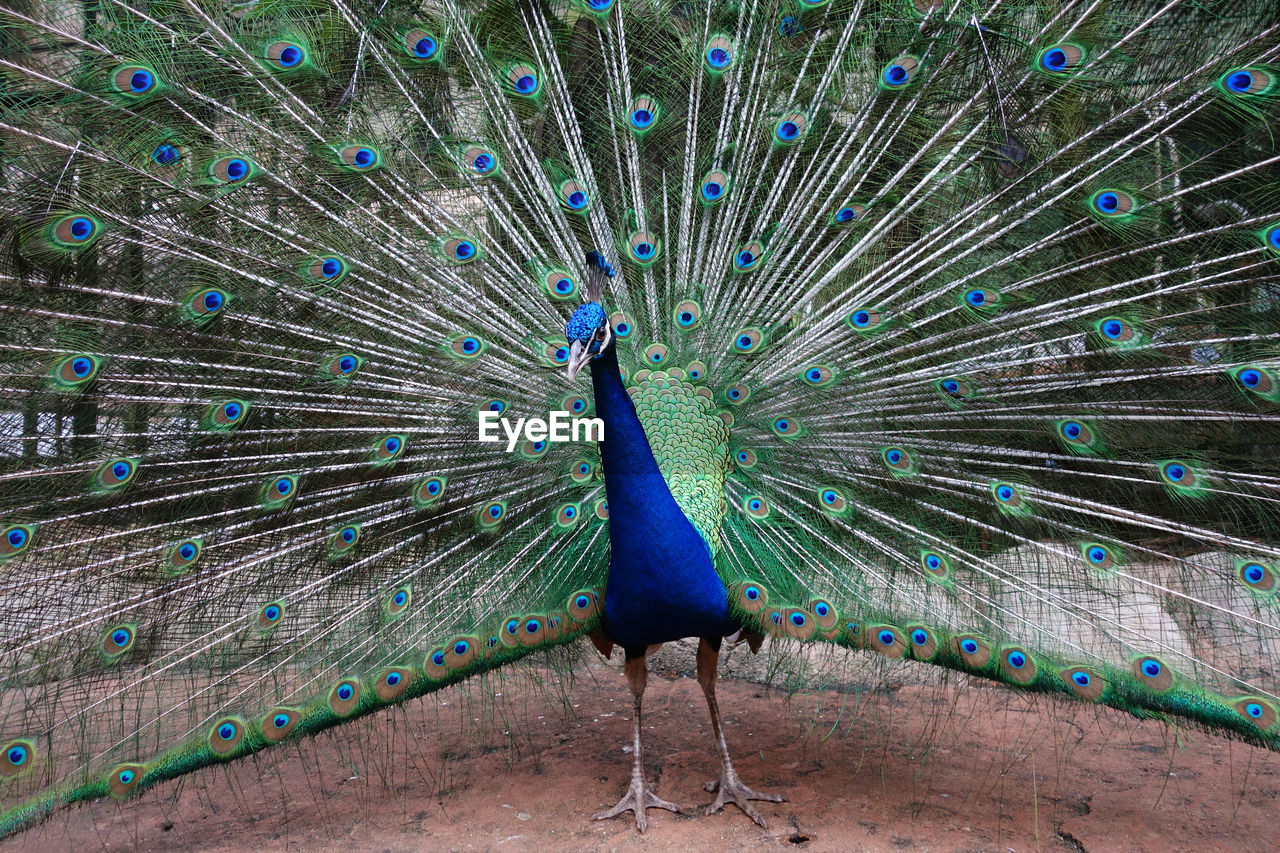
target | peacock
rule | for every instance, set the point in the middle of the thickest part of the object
(942, 330)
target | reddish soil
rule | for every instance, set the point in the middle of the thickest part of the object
(958, 767)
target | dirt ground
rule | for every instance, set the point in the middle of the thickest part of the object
(873, 760)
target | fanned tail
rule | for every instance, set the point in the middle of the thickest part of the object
(987, 298)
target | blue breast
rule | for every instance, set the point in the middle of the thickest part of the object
(662, 584)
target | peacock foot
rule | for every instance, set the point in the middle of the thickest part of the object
(638, 798)
(731, 790)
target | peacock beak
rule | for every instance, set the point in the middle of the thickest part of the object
(579, 355)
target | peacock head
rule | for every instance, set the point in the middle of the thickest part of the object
(589, 335)
(588, 330)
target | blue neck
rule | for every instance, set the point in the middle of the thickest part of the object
(662, 585)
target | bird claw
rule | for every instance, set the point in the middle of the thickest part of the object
(638, 798)
(731, 790)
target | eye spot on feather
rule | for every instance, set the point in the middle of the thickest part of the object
(982, 300)
(786, 427)
(398, 602)
(460, 250)
(974, 651)
(1258, 711)
(1117, 330)
(756, 507)
(74, 232)
(655, 354)
(1017, 665)
(1085, 683)
(231, 169)
(748, 257)
(1179, 475)
(899, 72)
(748, 341)
(523, 81)
(643, 114)
(225, 416)
(621, 326)
(15, 539)
(935, 565)
(358, 157)
(183, 555)
(573, 196)
(897, 460)
(748, 596)
(642, 249)
(1247, 81)
(479, 160)
(864, 319)
(269, 616)
(887, 640)
(1008, 497)
(344, 698)
(1099, 556)
(718, 54)
(687, 315)
(492, 514)
(76, 371)
(388, 449)
(924, 645)
(344, 540)
(817, 375)
(1153, 673)
(124, 779)
(790, 128)
(584, 605)
(714, 187)
(427, 491)
(114, 475)
(832, 501)
(1059, 59)
(566, 516)
(847, 214)
(1271, 237)
(226, 737)
(329, 269)
(1258, 380)
(166, 154)
(532, 631)
(434, 665)
(737, 394)
(792, 622)
(285, 55)
(469, 347)
(17, 758)
(391, 684)
(134, 80)
(278, 492)
(1257, 577)
(824, 614)
(1111, 203)
(421, 45)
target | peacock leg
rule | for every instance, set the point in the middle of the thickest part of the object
(729, 786)
(639, 796)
